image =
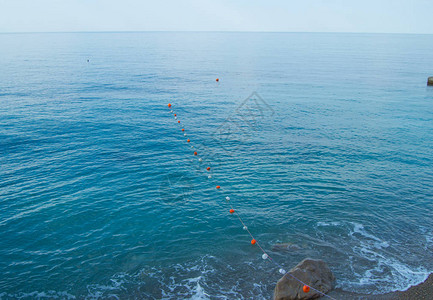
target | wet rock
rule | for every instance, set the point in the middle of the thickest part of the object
(314, 273)
(430, 81)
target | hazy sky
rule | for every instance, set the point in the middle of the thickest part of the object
(405, 16)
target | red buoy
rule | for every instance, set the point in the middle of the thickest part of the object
(183, 129)
(232, 210)
(253, 242)
(208, 168)
(217, 80)
(195, 153)
(175, 115)
(188, 140)
(178, 121)
(218, 187)
(169, 105)
(306, 288)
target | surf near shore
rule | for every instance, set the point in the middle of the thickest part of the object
(421, 291)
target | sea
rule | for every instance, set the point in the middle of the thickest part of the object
(322, 141)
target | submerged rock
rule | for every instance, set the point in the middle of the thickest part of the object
(314, 273)
(430, 81)
(285, 247)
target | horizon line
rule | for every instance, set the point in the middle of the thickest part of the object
(209, 31)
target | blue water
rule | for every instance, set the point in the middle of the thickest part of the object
(101, 197)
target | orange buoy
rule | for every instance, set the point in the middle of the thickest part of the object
(217, 80)
(175, 115)
(195, 153)
(306, 288)
(178, 121)
(208, 168)
(253, 242)
(232, 210)
(188, 140)
(218, 187)
(183, 129)
(169, 105)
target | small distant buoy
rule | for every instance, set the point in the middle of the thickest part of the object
(183, 129)
(265, 256)
(195, 153)
(282, 271)
(228, 198)
(171, 111)
(306, 288)
(200, 159)
(217, 79)
(175, 118)
(88, 60)
(184, 134)
(232, 210)
(208, 168)
(192, 146)
(210, 176)
(245, 228)
(218, 187)
(178, 121)
(169, 105)
(188, 141)
(175, 115)
(253, 242)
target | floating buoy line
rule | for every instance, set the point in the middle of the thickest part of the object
(305, 287)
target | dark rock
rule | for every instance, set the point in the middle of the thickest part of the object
(430, 81)
(314, 273)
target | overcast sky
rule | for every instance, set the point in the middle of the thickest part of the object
(396, 16)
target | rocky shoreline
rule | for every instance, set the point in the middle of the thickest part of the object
(422, 291)
(318, 274)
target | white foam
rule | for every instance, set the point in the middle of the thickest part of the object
(428, 234)
(323, 224)
(359, 228)
(199, 291)
(38, 295)
(388, 272)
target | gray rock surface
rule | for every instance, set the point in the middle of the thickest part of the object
(314, 273)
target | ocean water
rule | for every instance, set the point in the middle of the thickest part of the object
(323, 141)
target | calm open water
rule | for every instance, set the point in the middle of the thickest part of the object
(101, 197)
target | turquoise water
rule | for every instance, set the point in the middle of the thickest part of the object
(101, 197)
